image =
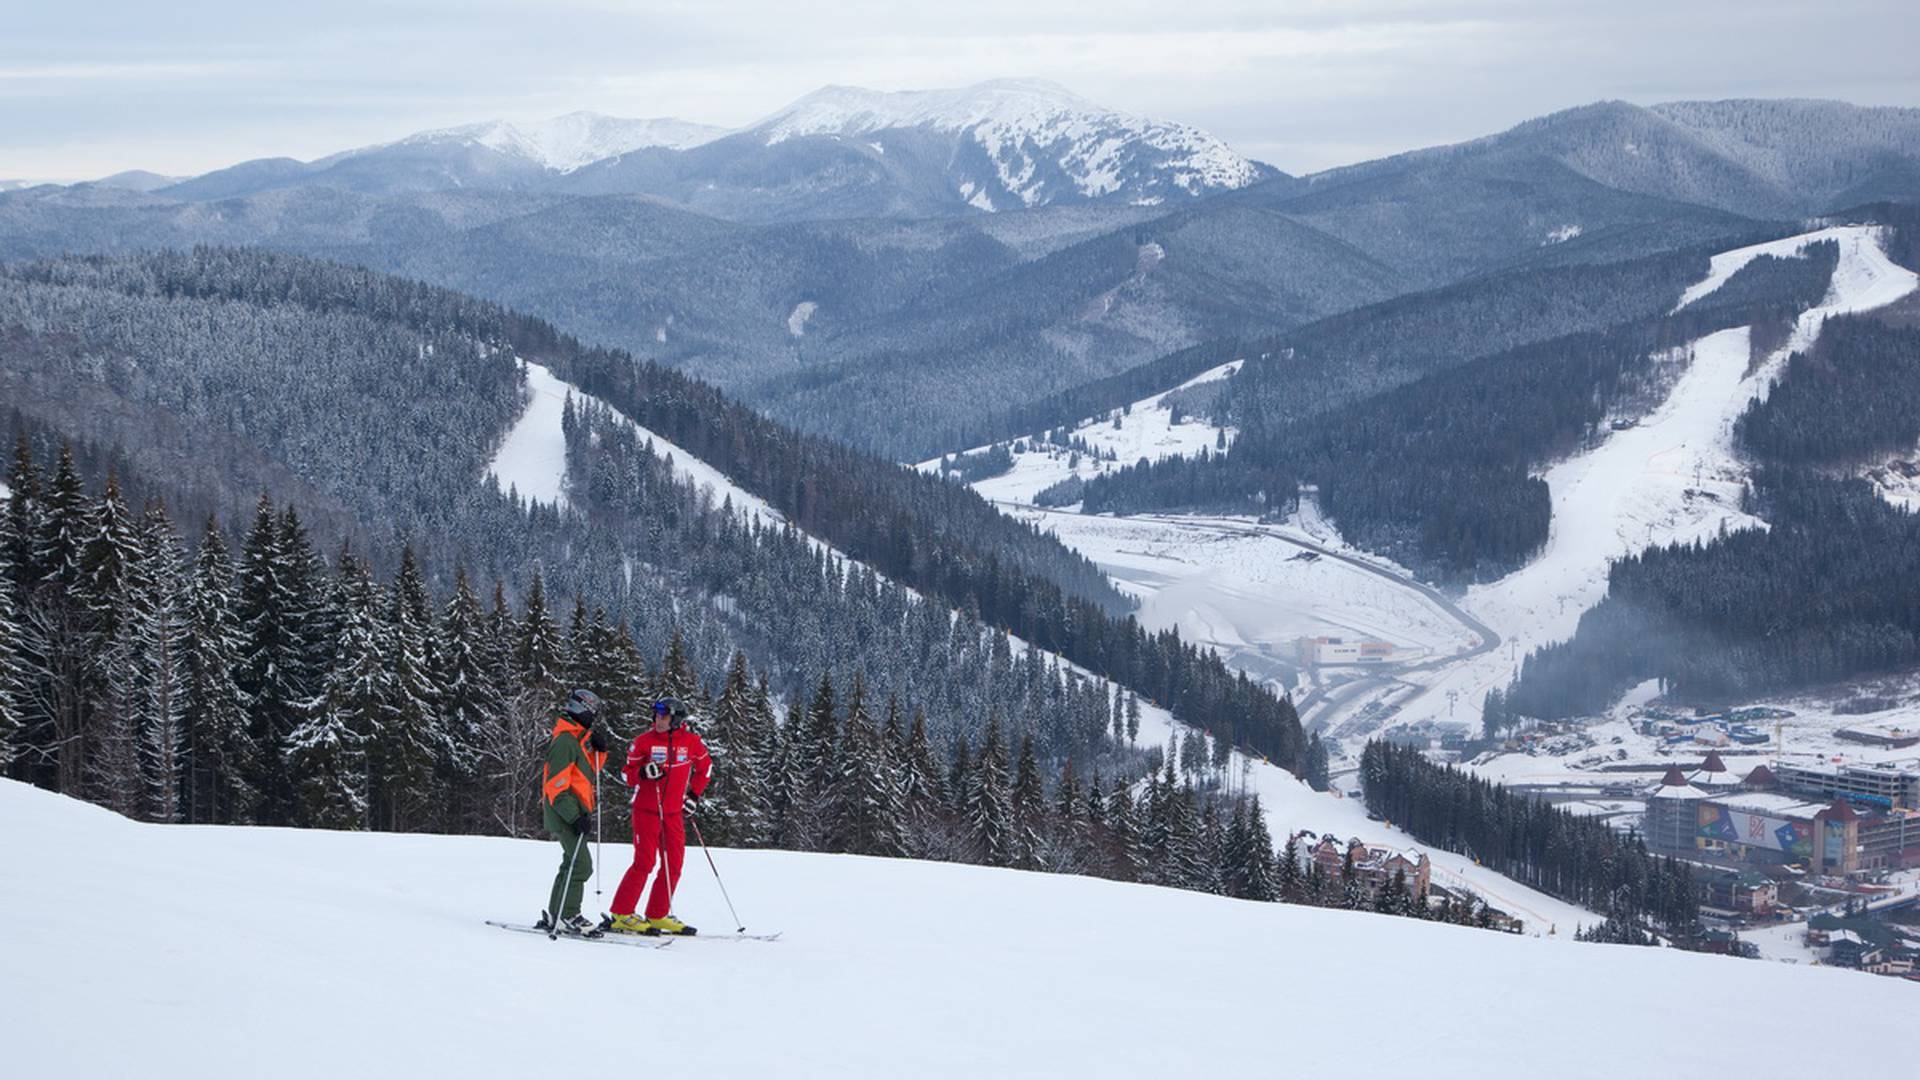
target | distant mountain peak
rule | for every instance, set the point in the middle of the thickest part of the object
(565, 143)
(1044, 142)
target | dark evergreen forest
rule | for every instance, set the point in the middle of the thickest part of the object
(1578, 859)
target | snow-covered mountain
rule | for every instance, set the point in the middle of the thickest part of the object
(563, 143)
(1026, 142)
(836, 153)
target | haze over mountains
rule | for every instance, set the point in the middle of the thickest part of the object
(837, 265)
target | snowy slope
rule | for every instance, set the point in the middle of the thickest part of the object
(313, 954)
(1034, 133)
(563, 143)
(533, 456)
(1675, 477)
(1146, 431)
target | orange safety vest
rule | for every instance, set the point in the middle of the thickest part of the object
(571, 778)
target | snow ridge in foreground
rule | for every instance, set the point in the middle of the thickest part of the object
(322, 954)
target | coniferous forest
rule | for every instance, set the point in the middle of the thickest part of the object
(1578, 859)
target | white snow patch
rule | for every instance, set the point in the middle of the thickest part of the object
(533, 457)
(1865, 277)
(1147, 432)
(1562, 234)
(390, 947)
(797, 318)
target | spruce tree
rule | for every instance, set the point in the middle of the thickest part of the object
(10, 724)
(222, 758)
(538, 655)
(407, 744)
(109, 559)
(159, 633)
(989, 809)
(865, 815)
(1029, 808)
(730, 814)
(470, 701)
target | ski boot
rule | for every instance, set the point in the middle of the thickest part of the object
(625, 924)
(544, 923)
(667, 924)
(579, 926)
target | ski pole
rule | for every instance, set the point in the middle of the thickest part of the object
(599, 849)
(566, 885)
(739, 927)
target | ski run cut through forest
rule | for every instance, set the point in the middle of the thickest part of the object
(230, 951)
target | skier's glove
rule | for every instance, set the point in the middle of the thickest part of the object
(584, 823)
(690, 803)
(598, 739)
(652, 770)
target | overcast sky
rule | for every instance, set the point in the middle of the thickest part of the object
(89, 88)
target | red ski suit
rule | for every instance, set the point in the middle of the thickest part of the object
(659, 829)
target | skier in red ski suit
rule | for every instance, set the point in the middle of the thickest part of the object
(668, 769)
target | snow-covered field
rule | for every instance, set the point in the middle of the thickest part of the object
(1248, 589)
(171, 951)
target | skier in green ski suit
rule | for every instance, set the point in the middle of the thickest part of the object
(574, 757)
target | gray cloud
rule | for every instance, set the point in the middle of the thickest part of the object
(87, 89)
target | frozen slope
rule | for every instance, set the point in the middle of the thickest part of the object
(185, 952)
(533, 456)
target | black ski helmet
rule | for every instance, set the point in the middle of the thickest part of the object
(674, 710)
(580, 706)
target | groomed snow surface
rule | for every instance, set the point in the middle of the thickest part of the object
(175, 951)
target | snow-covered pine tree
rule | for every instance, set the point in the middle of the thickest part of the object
(64, 524)
(328, 753)
(470, 701)
(989, 809)
(9, 660)
(1290, 886)
(109, 558)
(1123, 820)
(1133, 718)
(765, 737)
(730, 815)
(677, 678)
(811, 765)
(20, 525)
(1068, 806)
(1262, 876)
(864, 815)
(537, 651)
(406, 745)
(158, 630)
(222, 759)
(1028, 808)
(1315, 771)
(268, 644)
(783, 780)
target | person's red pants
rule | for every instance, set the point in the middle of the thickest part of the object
(655, 840)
